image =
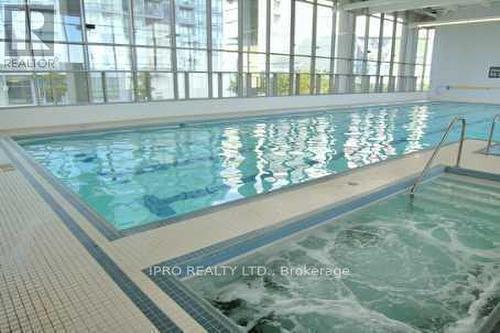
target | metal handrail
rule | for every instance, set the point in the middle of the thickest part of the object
(490, 138)
(438, 148)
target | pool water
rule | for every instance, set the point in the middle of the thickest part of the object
(143, 175)
(430, 266)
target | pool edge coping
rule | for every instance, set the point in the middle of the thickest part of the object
(201, 118)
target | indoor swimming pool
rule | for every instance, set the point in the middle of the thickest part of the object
(431, 265)
(138, 176)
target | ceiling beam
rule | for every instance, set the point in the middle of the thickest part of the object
(401, 5)
(476, 20)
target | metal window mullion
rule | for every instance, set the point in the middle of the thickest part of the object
(240, 48)
(425, 58)
(248, 84)
(403, 55)
(173, 53)
(393, 52)
(133, 52)
(317, 83)
(364, 71)
(32, 53)
(220, 85)
(275, 84)
(52, 90)
(312, 75)
(332, 50)
(104, 89)
(209, 49)
(297, 85)
(350, 76)
(291, 67)
(86, 57)
(32, 87)
(268, 48)
(155, 50)
(365, 45)
(186, 85)
(378, 83)
(393, 44)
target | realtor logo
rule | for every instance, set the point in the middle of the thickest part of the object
(29, 29)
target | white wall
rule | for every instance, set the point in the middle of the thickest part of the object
(462, 57)
(70, 118)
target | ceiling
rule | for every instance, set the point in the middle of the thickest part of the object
(427, 9)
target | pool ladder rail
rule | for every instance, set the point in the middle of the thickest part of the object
(492, 130)
(438, 148)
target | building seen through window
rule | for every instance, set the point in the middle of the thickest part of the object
(101, 51)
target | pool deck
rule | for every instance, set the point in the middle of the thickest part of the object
(58, 272)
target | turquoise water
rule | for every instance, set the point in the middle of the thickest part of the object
(138, 176)
(433, 266)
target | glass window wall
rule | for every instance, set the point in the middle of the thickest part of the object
(103, 51)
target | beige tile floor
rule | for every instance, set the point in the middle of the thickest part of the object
(49, 282)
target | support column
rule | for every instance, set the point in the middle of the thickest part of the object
(240, 48)
(408, 56)
(392, 82)
(346, 33)
(173, 52)
(209, 49)
(379, 83)
(133, 52)
(86, 59)
(333, 54)
(269, 90)
(312, 81)
(292, 50)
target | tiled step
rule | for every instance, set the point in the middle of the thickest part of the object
(475, 185)
(453, 205)
(462, 195)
